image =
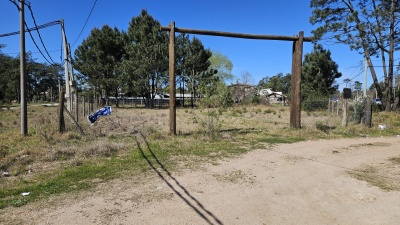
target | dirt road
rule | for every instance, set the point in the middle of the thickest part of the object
(301, 183)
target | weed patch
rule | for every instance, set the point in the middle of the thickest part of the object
(47, 163)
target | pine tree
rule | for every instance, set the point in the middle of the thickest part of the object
(318, 74)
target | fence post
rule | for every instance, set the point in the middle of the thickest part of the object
(61, 122)
(295, 98)
(344, 121)
(84, 106)
(368, 112)
(172, 107)
(329, 104)
(76, 106)
(337, 108)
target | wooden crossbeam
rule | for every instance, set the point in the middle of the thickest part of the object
(297, 54)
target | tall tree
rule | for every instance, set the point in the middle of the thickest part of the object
(367, 26)
(182, 42)
(278, 82)
(357, 87)
(223, 65)
(263, 83)
(246, 77)
(145, 70)
(9, 78)
(196, 63)
(347, 81)
(396, 85)
(98, 58)
(40, 78)
(213, 87)
(319, 73)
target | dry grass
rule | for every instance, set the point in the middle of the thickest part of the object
(113, 144)
(236, 176)
(248, 125)
(385, 176)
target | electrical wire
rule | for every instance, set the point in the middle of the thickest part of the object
(34, 42)
(25, 2)
(94, 4)
(40, 37)
(29, 31)
(35, 28)
(355, 75)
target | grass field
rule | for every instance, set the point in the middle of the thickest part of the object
(46, 162)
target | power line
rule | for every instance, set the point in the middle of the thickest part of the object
(26, 25)
(40, 37)
(353, 72)
(29, 31)
(34, 42)
(85, 23)
(25, 2)
(35, 28)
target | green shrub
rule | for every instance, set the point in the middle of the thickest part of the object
(356, 112)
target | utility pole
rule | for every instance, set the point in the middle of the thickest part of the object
(171, 54)
(74, 84)
(67, 79)
(365, 77)
(24, 117)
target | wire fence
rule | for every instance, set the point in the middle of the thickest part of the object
(356, 110)
(88, 105)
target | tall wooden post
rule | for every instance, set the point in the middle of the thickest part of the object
(84, 106)
(172, 106)
(344, 119)
(67, 77)
(23, 103)
(295, 111)
(295, 96)
(368, 112)
(61, 122)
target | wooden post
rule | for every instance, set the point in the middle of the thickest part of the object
(368, 112)
(337, 107)
(295, 108)
(329, 104)
(172, 107)
(76, 105)
(23, 83)
(88, 104)
(344, 119)
(84, 106)
(61, 122)
(295, 99)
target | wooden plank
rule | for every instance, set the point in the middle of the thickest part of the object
(238, 35)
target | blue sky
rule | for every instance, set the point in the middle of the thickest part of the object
(260, 58)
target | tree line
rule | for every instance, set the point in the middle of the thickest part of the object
(367, 26)
(318, 76)
(135, 62)
(42, 80)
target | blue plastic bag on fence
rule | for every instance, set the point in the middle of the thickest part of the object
(105, 111)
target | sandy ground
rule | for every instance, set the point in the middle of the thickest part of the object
(301, 183)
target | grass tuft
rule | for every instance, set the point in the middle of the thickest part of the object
(47, 163)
